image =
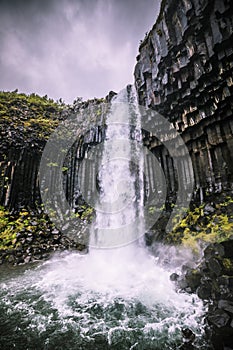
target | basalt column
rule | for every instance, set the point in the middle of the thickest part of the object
(184, 71)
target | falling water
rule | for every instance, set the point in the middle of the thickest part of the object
(118, 298)
(119, 208)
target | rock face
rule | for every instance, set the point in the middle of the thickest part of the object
(24, 133)
(184, 71)
(212, 280)
(26, 123)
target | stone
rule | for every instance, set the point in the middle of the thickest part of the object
(219, 318)
(27, 259)
(149, 237)
(226, 305)
(187, 347)
(182, 283)
(229, 209)
(214, 250)
(215, 266)
(55, 232)
(204, 291)
(110, 95)
(188, 335)
(56, 237)
(174, 277)
(228, 248)
(209, 209)
(10, 259)
(193, 278)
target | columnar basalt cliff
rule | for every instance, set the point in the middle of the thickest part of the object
(184, 71)
(26, 123)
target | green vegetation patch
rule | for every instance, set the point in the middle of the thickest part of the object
(200, 225)
(27, 116)
(23, 222)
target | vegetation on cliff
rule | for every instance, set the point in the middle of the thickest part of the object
(30, 235)
(205, 223)
(27, 117)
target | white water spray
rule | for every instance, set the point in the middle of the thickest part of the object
(119, 208)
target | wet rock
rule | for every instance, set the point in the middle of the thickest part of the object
(34, 223)
(215, 266)
(149, 237)
(174, 277)
(212, 250)
(228, 248)
(226, 305)
(10, 259)
(204, 291)
(229, 209)
(208, 209)
(55, 232)
(216, 289)
(187, 346)
(56, 237)
(182, 283)
(188, 335)
(219, 318)
(193, 278)
(27, 259)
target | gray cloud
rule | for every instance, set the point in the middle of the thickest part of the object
(71, 48)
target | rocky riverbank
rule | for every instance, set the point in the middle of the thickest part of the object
(30, 236)
(212, 281)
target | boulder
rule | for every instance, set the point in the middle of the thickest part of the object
(219, 318)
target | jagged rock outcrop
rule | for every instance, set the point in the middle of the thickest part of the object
(212, 280)
(184, 71)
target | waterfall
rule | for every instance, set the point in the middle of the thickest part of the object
(119, 208)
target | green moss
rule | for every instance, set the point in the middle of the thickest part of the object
(197, 227)
(30, 224)
(10, 225)
(87, 213)
(7, 234)
(228, 264)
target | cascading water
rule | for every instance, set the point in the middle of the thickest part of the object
(119, 219)
(117, 298)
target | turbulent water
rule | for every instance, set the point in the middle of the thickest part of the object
(102, 300)
(117, 298)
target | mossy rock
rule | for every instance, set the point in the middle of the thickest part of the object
(197, 228)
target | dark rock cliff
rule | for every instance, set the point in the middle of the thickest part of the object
(26, 124)
(184, 71)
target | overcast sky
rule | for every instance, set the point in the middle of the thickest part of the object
(70, 48)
